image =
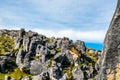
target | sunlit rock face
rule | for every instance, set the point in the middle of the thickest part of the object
(27, 55)
(110, 59)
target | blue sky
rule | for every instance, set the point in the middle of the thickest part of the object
(86, 20)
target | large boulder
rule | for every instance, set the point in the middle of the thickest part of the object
(6, 63)
(64, 58)
(110, 58)
(80, 46)
(37, 67)
(50, 45)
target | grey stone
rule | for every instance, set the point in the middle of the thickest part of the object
(50, 45)
(33, 45)
(21, 32)
(97, 66)
(69, 56)
(110, 54)
(7, 77)
(18, 42)
(53, 52)
(20, 57)
(28, 58)
(64, 77)
(37, 77)
(78, 74)
(59, 43)
(64, 58)
(2, 66)
(59, 57)
(65, 44)
(55, 71)
(26, 78)
(38, 48)
(26, 43)
(12, 79)
(44, 54)
(7, 54)
(80, 46)
(5, 63)
(31, 33)
(37, 67)
(42, 76)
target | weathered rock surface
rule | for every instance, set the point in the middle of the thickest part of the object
(6, 63)
(110, 59)
(80, 46)
(37, 67)
(42, 76)
(19, 58)
(78, 74)
(56, 71)
(46, 58)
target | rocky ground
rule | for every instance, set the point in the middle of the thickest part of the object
(32, 56)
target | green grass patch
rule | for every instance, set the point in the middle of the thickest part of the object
(2, 76)
(17, 73)
(93, 56)
(49, 40)
(58, 50)
(50, 62)
(6, 44)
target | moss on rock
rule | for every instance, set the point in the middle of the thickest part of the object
(6, 44)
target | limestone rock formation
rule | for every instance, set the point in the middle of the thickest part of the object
(32, 56)
(110, 59)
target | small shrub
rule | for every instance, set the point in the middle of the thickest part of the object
(58, 50)
(6, 44)
(17, 73)
(49, 40)
(50, 62)
(26, 70)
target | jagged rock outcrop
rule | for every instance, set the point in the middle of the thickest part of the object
(56, 71)
(110, 59)
(37, 57)
(80, 46)
(19, 57)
